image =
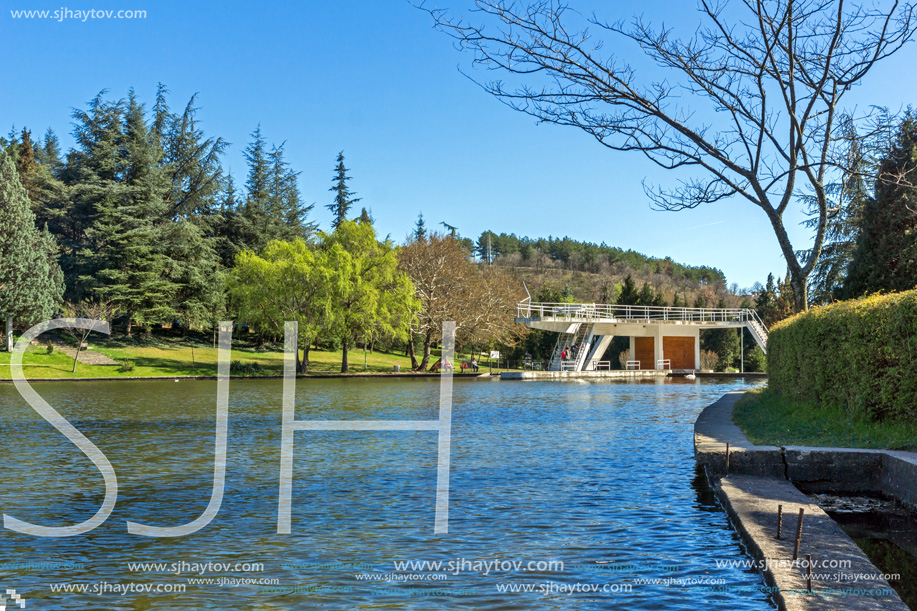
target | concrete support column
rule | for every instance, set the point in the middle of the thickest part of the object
(697, 348)
(657, 346)
(633, 349)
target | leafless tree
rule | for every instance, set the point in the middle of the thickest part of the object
(481, 300)
(750, 102)
(92, 309)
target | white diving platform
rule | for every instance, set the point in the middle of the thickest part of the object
(661, 338)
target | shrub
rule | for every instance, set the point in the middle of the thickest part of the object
(126, 366)
(623, 358)
(247, 369)
(860, 355)
(49, 349)
(709, 360)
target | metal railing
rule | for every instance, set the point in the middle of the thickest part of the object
(597, 311)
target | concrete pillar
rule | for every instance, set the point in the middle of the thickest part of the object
(696, 348)
(657, 346)
(633, 349)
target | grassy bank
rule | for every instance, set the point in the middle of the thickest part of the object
(189, 356)
(769, 420)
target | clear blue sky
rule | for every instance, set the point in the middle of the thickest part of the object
(373, 79)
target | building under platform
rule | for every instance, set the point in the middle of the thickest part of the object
(660, 337)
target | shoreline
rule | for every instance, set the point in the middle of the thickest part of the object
(376, 374)
(753, 480)
(299, 376)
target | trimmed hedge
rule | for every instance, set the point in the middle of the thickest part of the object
(860, 355)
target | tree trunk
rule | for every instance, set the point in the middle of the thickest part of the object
(345, 366)
(76, 356)
(427, 341)
(799, 282)
(9, 334)
(130, 321)
(411, 353)
(304, 365)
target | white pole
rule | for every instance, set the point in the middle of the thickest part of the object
(742, 343)
(9, 334)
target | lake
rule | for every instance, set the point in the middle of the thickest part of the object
(564, 495)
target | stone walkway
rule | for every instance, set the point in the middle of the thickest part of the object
(87, 357)
(756, 479)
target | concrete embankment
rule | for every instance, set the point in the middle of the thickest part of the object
(405, 375)
(566, 375)
(758, 479)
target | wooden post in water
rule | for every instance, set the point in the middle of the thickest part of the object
(779, 521)
(802, 512)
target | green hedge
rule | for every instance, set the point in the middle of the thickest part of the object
(860, 355)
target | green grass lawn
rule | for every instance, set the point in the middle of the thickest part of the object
(165, 356)
(769, 420)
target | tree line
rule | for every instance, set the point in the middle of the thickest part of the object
(140, 221)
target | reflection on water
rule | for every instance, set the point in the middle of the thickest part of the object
(594, 475)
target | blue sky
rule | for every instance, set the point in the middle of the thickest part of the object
(372, 78)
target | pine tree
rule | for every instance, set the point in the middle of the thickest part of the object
(343, 197)
(31, 284)
(885, 257)
(647, 296)
(420, 228)
(629, 294)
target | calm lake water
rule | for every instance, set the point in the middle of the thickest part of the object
(590, 474)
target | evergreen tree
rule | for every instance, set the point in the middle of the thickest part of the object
(851, 195)
(629, 294)
(285, 200)
(420, 228)
(343, 197)
(128, 262)
(257, 208)
(232, 230)
(31, 284)
(647, 296)
(51, 153)
(774, 303)
(27, 166)
(191, 160)
(885, 257)
(92, 172)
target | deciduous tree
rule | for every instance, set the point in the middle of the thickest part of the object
(750, 103)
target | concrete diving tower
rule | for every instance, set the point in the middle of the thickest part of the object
(660, 337)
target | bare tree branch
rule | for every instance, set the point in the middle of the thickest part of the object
(717, 113)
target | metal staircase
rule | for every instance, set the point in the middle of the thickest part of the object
(565, 341)
(758, 331)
